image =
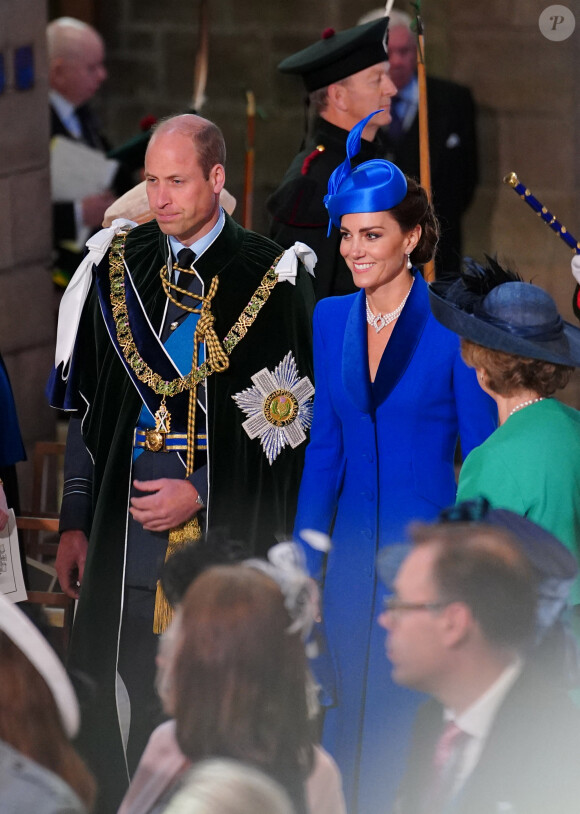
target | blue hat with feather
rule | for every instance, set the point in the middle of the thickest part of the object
(374, 186)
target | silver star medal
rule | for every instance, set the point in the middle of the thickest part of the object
(278, 406)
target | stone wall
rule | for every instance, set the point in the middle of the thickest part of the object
(27, 319)
(526, 88)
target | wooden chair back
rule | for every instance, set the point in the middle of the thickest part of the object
(58, 607)
(59, 613)
(41, 535)
(47, 465)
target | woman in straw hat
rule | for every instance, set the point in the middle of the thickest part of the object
(392, 395)
(523, 352)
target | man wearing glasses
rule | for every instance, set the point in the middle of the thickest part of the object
(496, 735)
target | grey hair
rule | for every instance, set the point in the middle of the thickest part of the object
(319, 100)
(229, 787)
(65, 36)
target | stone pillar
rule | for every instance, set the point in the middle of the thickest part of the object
(26, 299)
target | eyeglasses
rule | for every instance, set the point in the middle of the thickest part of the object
(395, 605)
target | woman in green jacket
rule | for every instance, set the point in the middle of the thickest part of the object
(523, 353)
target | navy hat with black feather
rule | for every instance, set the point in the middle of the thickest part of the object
(493, 307)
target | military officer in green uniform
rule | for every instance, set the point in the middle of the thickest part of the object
(345, 75)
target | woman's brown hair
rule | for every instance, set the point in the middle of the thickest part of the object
(414, 210)
(508, 373)
(239, 676)
(31, 724)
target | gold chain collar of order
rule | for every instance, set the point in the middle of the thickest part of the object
(138, 365)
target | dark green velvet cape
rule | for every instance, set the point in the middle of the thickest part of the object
(253, 500)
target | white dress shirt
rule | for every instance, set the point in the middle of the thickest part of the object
(477, 720)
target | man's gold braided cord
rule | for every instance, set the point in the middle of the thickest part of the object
(217, 354)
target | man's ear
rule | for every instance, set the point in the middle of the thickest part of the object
(55, 70)
(456, 623)
(217, 176)
(337, 96)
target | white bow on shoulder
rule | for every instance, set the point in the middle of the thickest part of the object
(76, 292)
(287, 267)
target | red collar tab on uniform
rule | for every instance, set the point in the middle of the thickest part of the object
(320, 148)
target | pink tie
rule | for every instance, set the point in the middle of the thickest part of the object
(446, 762)
(446, 745)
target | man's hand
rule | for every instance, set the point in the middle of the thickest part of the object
(94, 208)
(170, 502)
(3, 508)
(70, 561)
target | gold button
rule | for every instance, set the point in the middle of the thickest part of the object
(173, 326)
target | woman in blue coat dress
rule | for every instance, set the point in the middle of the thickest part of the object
(392, 397)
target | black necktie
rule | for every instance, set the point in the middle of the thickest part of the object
(185, 258)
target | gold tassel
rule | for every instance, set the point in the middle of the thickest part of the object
(179, 537)
(190, 531)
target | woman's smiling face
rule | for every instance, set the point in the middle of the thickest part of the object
(375, 248)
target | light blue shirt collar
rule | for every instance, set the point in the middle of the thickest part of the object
(410, 92)
(407, 100)
(63, 107)
(66, 112)
(200, 246)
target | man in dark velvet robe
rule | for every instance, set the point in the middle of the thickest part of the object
(345, 74)
(121, 497)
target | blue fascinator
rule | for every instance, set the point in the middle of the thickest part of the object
(373, 186)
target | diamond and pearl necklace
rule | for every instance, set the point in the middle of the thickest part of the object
(380, 321)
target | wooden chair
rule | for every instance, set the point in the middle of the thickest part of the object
(47, 463)
(40, 539)
(59, 613)
(37, 544)
(58, 607)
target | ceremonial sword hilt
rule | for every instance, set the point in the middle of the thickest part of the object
(512, 180)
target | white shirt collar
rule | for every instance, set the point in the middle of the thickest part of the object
(63, 107)
(477, 719)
